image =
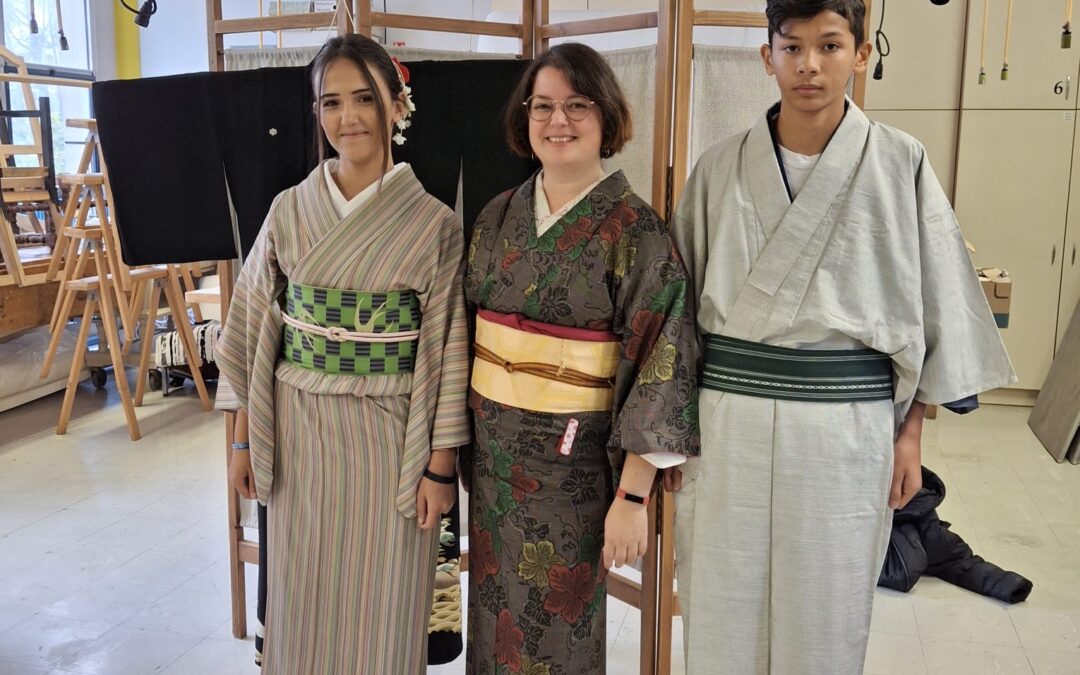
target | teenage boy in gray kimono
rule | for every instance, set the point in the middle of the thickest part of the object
(836, 301)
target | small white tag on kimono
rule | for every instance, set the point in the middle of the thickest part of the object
(568, 438)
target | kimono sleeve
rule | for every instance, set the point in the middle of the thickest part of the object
(261, 283)
(655, 406)
(964, 354)
(446, 310)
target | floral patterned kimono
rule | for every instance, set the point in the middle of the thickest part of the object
(607, 273)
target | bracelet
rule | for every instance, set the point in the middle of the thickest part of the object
(240, 446)
(445, 480)
(637, 499)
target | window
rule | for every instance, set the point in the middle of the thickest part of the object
(44, 56)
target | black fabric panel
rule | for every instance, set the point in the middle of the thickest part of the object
(457, 131)
(265, 127)
(489, 167)
(159, 143)
(433, 142)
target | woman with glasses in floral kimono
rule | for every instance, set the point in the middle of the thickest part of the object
(346, 344)
(584, 376)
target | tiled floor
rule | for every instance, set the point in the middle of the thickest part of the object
(113, 554)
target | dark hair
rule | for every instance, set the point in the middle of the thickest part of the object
(367, 55)
(781, 11)
(589, 75)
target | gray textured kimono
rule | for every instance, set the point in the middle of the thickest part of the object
(785, 515)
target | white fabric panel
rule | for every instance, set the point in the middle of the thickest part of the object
(636, 70)
(247, 58)
(730, 92)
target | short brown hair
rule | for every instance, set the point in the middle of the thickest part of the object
(589, 75)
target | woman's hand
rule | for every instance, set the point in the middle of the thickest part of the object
(241, 474)
(434, 499)
(625, 533)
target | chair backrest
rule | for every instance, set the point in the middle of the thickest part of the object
(8, 151)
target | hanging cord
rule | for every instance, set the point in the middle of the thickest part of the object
(1008, 38)
(60, 25)
(982, 46)
(33, 19)
(1066, 30)
(881, 44)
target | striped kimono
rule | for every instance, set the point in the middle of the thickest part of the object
(783, 523)
(338, 457)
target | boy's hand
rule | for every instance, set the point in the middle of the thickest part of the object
(907, 470)
(672, 479)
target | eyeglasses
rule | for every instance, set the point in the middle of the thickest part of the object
(540, 108)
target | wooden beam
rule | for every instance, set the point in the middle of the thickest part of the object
(442, 25)
(215, 40)
(45, 79)
(362, 12)
(543, 16)
(684, 56)
(662, 113)
(274, 23)
(611, 24)
(528, 29)
(712, 17)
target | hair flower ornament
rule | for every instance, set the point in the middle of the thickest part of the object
(403, 123)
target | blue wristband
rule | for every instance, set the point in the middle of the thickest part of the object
(240, 446)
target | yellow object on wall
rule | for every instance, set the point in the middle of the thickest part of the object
(128, 57)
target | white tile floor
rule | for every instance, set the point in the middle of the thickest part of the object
(113, 557)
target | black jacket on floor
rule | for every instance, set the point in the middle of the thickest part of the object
(922, 544)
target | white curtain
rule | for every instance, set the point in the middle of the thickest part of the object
(636, 71)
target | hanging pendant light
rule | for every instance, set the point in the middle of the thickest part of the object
(60, 25)
(33, 19)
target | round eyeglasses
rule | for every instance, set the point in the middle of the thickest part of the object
(540, 108)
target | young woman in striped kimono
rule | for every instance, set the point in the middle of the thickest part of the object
(585, 361)
(346, 344)
(837, 300)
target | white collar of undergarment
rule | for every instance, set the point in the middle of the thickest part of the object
(345, 206)
(797, 168)
(544, 217)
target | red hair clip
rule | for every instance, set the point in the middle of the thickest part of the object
(403, 72)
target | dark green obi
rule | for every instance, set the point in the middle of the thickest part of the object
(353, 311)
(754, 369)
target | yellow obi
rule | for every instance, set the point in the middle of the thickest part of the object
(543, 373)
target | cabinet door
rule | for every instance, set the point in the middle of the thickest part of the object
(924, 38)
(1037, 63)
(1012, 191)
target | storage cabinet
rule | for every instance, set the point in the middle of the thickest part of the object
(1012, 196)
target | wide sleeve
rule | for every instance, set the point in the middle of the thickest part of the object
(260, 284)
(655, 402)
(689, 228)
(446, 308)
(964, 354)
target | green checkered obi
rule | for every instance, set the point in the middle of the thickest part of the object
(754, 369)
(354, 311)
